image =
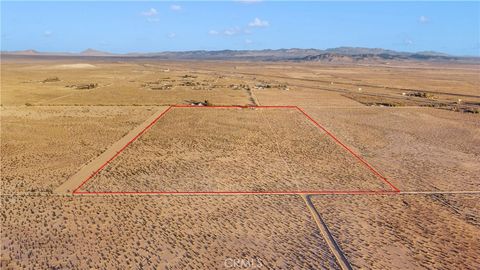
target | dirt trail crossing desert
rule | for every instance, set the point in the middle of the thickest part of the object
(336, 250)
(77, 179)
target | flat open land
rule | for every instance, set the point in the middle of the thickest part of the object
(235, 150)
(417, 149)
(62, 118)
(437, 231)
(43, 145)
(174, 232)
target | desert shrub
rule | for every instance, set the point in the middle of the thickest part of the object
(51, 79)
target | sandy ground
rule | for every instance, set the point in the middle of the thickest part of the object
(405, 231)
(419, 149)
(43, 146)
(75, 181)
(44, 143)
(67, 66)
(118, 84)
(161, 232)
(246, 150)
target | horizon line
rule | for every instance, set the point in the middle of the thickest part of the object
(93, 50)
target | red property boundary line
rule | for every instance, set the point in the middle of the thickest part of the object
(360, 159)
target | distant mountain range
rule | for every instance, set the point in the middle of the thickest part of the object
(341, 54)
(87, 52)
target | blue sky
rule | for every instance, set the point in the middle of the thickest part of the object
(451, 27)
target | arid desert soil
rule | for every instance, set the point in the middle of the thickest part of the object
(117, 84)
(160, 232)
(405, 231)
(418, 148)
(416, 123)
(42, 146)
(254, 150)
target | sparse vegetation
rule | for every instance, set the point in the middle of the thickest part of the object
(49, 132)
(190, 232)
(418, 94)
(258, 146)
(51, 79)
(42, 146)
(83, 86)
(448, 229)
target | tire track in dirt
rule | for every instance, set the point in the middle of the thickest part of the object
(91, 167)
(322, 226)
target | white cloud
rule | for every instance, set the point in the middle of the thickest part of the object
(150, 13)
(226, 32)
(258, 23)
(232, 31)
(408, 42)
(176, 7)
(172, 35)
(47, 33)
(423, 19)
(248, 41)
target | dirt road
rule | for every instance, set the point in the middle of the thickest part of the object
(90, 168)
(332, 244)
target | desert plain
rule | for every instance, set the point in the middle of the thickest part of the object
(111, 163)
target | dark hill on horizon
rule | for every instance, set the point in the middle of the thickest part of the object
(340, 55)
